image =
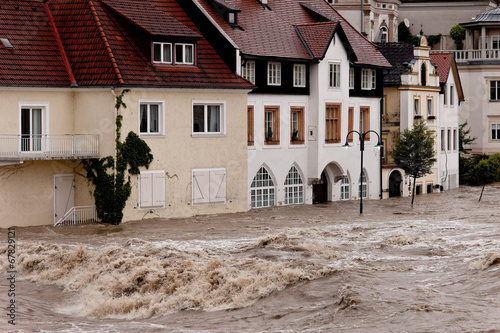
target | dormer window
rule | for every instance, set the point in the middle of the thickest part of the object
(163, 53)
(231, 18)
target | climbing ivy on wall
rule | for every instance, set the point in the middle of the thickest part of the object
(108, 175)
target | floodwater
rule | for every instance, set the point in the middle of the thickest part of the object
(321, 268)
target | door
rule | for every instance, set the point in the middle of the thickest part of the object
(31, 129)
(64, 195)
(395, 180)
(320, 190)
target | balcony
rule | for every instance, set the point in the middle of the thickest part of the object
(474, 56)
(48, 147)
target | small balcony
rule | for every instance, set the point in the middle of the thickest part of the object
(48, 147)
(473, 56)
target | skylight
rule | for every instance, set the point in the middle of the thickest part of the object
(6, 43)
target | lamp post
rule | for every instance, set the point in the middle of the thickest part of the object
(361, 149)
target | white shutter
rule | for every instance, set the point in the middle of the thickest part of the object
(146, 189)
(159, 189)
(218, 186)
(201, 186)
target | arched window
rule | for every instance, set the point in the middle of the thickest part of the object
(262, 189)
(384, 35)
(423, 75)
(363, 186)
(294, 188)
(345, 189)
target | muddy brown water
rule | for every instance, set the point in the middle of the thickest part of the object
(320, 268)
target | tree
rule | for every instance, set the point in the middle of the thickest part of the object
(414, 152)
(457, 33)
(464, 137)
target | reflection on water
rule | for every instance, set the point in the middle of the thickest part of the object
(322, 268)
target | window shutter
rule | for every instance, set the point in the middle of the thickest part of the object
(218, 186)
(201, 186)
(146, 189)
(158, 189)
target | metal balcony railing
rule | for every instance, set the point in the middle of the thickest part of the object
(43, 146)
(77, 215)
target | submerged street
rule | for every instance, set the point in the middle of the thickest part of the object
(319, 268)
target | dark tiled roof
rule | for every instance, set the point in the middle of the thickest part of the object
(317, 36)
(271, 33)
(443, 62)
(35, 59)
(99, 46)
(397, 54)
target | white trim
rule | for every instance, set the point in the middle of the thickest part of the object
(161, 120)
(222, 119)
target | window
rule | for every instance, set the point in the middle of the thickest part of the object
(262, 190)
(350, 124)
(351, 78)
(365, 79)
(374, 79)
(248, 71)
(443, 141)
(274, 73)
(297, 125)
(299, 75)
(231, 18)
(151, 117)
(208, 118)
(209, 186)
(294, 188)
(384, 36)
(451, 95)
(494, 90)
(250, 125)
(416, 107)
(32, 128)
(423, 75)
(184, 54)
(455, 139)
(429, 108)
(162, 53)
(449, 140)
(332, 123)
(152, 189)
(495, 42)
(363, 186)
(445, 95)
(495, 131)
(364, 121)
(344, 189)
(334, 76)
(272, 125)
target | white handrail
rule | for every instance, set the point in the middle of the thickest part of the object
(50, 146)
(77, 215)
(464, 56)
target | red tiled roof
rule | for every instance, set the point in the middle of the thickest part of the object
(99, 45)
(35, 59)
(443, 62)
(317, 36)
(271, 33)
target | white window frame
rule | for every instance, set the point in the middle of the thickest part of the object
(294, 187)
(351, 78)
(208, 186)
(384, 34)
(334, 75)
(495, 86)
(345, 188)
(452, 96)
(162, 55)
(299, 75)
(274, 73)
(161, 117)
(416, 106)
(184, 60)
(430, 107)
(248, 71)
(365, 79)
(40, 144)
(495, 40)
(152, 189)
(443, 140)
(222, 118)
(495, 128)
(266, 189)
(373, 79)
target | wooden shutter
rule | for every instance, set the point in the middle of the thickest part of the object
(146, 189)
(158, 189)
(218, 186)
(201, 186)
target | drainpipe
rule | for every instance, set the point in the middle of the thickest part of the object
(115, 113)
(380, 151)
(362, 19)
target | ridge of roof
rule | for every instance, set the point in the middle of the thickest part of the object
(443, 61)
(317, 36)
(105, 41)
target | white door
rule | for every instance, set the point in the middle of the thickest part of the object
(64, 195)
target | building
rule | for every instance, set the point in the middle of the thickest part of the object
(62, 64)
(316, 79)
(421, 85)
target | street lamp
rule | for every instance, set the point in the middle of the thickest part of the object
(362, 149)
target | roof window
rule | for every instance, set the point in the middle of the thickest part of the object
(6, 43)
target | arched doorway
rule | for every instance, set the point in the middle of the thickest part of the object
(395, 180)
(320, 190)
